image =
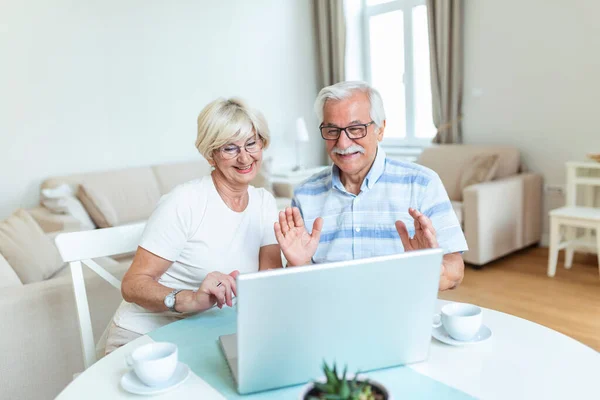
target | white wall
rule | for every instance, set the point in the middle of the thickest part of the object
(91, 85)
(536, 64)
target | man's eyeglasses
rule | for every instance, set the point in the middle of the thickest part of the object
(231, 150)
(353, 132)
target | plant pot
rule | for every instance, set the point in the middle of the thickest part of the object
(377, 386)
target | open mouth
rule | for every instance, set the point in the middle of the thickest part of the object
(245, 169)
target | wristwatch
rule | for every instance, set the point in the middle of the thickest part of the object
(170, 300)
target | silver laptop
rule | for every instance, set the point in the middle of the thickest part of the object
(368, 314)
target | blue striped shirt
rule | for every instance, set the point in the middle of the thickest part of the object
(360, 226)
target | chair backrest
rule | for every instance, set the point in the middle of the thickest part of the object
(583, 184)
(80, 247)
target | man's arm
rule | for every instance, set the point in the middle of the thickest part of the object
(453, 271)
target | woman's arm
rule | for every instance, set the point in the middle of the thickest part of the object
(269, 257)
(140, 286)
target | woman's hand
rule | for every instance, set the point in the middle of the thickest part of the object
(217, 288)
(297, 244)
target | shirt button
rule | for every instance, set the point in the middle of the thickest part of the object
(357, 229)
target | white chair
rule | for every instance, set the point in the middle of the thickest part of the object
(567, 222)
(80, 247)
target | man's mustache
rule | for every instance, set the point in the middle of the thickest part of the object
(352, 149)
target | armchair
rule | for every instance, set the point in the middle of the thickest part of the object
(499, 215)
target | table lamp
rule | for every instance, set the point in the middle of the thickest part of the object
(301, 137)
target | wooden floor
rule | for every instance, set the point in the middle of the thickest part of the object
(518, 285)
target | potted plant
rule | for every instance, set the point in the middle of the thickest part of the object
(332, 387)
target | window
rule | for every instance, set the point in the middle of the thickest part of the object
(395, 60)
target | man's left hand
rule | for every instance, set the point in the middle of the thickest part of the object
(452, 271)
(424, 237)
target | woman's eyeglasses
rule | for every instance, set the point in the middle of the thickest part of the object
(231, 150)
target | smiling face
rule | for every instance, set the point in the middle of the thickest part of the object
(353, 157)
(239, 169)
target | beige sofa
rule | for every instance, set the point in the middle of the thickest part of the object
(498, 203)
(117, 197)
(40, 340)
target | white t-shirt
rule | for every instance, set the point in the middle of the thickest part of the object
(195, 229)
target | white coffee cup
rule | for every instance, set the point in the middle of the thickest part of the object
(154, 363)
(461, 321)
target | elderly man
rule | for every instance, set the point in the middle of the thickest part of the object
(367, 205)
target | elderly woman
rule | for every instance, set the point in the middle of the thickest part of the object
(205, 232)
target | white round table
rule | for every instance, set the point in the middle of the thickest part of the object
(522, 360)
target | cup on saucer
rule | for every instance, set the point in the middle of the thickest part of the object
(132, 384)
(461, 321)
(154, 363)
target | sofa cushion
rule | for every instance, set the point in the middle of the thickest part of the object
(119, 197)
(449, 161)
(8, 277)
(481, 169)
(31, 254)
(170, 175)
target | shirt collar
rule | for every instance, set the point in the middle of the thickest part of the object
(335, 178)
(376, 169)
(372, 176)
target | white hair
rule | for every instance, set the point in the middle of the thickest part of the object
(227, 120)
(344, 90)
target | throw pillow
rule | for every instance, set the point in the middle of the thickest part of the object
(57, 192)
(97, 206)
(32, 255)
(481, 169)
(120, 197)
(62, 200)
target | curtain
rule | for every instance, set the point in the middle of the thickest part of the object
(331, 40)
(445, 19)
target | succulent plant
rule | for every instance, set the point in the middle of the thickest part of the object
(336, 388)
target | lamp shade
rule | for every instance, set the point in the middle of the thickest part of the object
(301, 131)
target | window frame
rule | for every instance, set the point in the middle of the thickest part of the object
(406, 6)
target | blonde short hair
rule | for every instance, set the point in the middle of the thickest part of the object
(227, 120)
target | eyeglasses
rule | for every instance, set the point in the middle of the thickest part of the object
(231, 150)
(353, 132)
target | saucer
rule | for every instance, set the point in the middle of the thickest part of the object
(440, 334)
(132, 384)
